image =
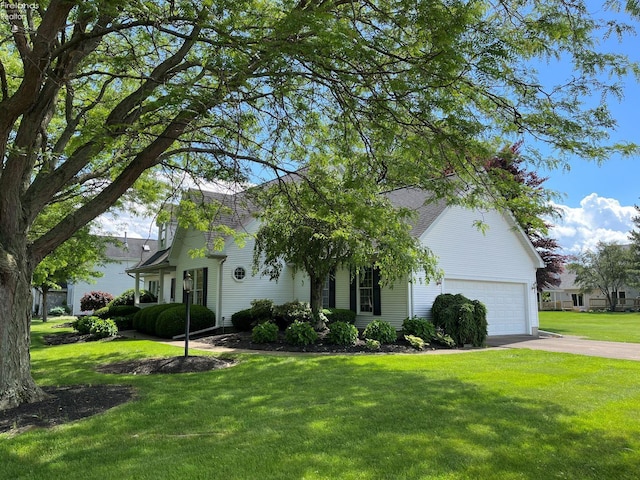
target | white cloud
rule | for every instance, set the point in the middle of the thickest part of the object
(597, 219)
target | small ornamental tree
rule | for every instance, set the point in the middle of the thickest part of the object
(95, 300)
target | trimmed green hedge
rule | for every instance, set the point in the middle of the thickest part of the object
(172, 321)
(144, 321)
(339, 315)
(381, 331)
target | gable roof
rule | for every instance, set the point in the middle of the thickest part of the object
(422, 202)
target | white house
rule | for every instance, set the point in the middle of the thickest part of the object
(496, 267)
(569, 296)
(122, 254)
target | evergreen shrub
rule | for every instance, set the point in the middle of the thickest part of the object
(339, 315)
(463, 319)
(172, 321)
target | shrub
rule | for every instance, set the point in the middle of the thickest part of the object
(419, 327)
(381, 331)
(243, 320)
(416, 342)
(339, 315)
(111, 311)
(264, 333)
(444, 339)
(300, 333)
(127, 298)
(373, 345)
(342, 333)
(172, 321)
(463, 319)
(58, 311)
(103, 328)
(83, 324)
(145, 319)
(288, 313)
(123, 323)
(95, 300)
(262, 309)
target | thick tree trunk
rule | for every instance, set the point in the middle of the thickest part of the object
(45, 292)
(16, 383)
(316, 302)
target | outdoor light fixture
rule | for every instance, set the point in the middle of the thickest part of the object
(187, 286)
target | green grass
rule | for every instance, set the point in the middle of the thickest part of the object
(494, 414)
(614, 327)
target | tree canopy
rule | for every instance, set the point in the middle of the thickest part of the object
(104, 100)
(607, 269)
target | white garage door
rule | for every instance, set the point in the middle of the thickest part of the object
(505, 302)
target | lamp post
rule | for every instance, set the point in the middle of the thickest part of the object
(187, 285)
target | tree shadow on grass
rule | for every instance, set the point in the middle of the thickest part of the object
(331, 417)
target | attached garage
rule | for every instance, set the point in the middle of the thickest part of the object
(506, 303)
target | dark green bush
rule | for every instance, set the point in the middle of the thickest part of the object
(172, 321)
(144, 320)
(288, 313)
(127, 298)
(342, 333)
(381, 331)
(103, 328)
(243, 320)
(419, 327)
(300, 333)
(339, 315)
(463, 319)
(123, 323)
(83, 324)
(116, 311)
(262, 309)
(264, 333)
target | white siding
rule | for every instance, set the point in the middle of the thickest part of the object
(500, 256)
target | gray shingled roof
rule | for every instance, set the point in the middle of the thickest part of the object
(427, 207)
(130, 248)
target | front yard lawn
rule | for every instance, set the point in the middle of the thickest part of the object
(614, 327)
(482, 414)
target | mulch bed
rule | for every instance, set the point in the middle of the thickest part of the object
(242, 340)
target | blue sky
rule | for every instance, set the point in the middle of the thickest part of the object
(597, 200)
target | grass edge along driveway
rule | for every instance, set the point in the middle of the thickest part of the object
(487, 414)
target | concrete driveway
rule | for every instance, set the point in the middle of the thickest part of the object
(569, 344)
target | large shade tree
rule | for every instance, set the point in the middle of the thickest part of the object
(99, 98)
(334, 219)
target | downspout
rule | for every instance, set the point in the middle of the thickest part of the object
(410, 295)
(219, 299)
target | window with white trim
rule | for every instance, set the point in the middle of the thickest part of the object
(197, 292)
(365, 291)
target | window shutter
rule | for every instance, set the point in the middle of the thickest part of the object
(205, 283)
(353, 301)
(377, 302)
(332, 289)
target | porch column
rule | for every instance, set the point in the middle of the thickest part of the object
(136, 291)
(161, 287)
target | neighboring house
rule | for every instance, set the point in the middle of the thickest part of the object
(497, 267)
(569, 296)
(122, 254)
